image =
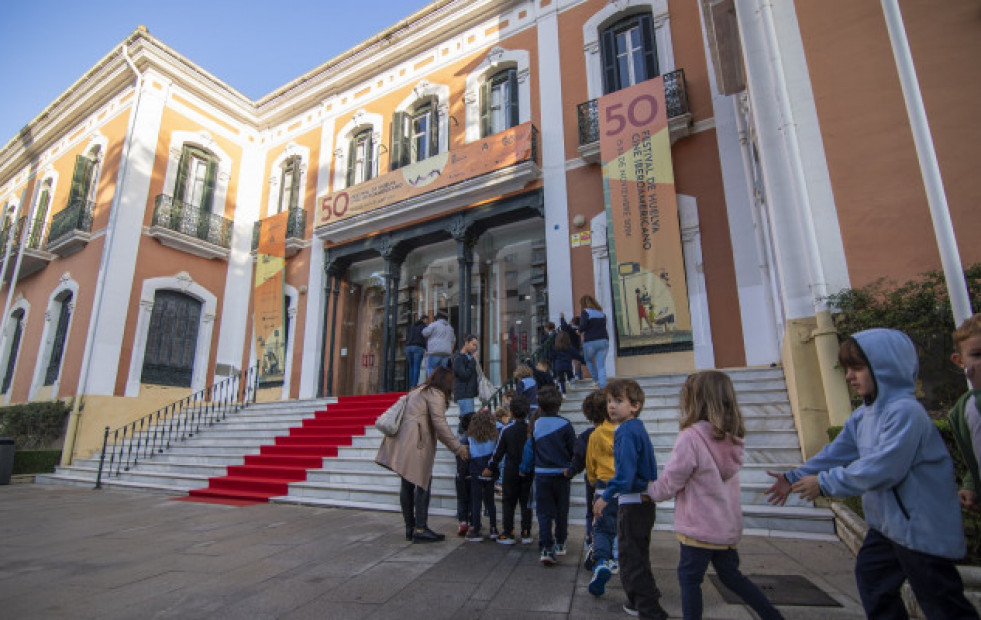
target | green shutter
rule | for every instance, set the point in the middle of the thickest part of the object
(400, 148)
(609, 50)
(512, 114)
(295, 193)
(81, 180)
(182, 167)
(208, 195)
(369, 155)
(650, 50)
(433, 127)
(351, 154)
(485, 107)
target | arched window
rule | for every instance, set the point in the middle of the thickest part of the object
(83, 178)
(629, 52)
(289, 186)
(40, 215)
(196, 174)
(499, 102)
(360, 161)
(171, 339)
(60, 335)
(18, 330)
(415, 133)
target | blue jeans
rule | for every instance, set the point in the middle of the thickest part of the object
(435, 361)
(605, 529)
(413, 354)
(691, 570)
(595, 353)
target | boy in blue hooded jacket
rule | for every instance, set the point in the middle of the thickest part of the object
(891, 454)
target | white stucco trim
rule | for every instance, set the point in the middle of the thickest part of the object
(359, 122)
(276, 176)
(423, 90)
(67, 283)
(49, 175)
(497, 59)
(612, 12)
(183, 283)
(601, 282)
(691, 247)
(203, 139)
(6, 342)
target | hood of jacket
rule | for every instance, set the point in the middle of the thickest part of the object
(893, 362)
(727, 453)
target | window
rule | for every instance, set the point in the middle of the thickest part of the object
(359, 167)
(499, 103)
(61, 333)
(40, 215)
(18, 331)
(415, 134)
(629, 55)
(289, 186)
(83, 177)
(196, 173)
(171, 339)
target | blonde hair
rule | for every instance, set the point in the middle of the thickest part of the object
(970, 328)
(523, 372)
(710, 396)
(483, 426)
(588, 301)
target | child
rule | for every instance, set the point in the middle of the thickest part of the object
(891, 453)
(594, 410)
(462, 481)
(634, 466)
(562, 356)
(599, 471)
(542, 374)
(526, 386)
(516, 488)
(482, 437)
(703, 472)
(551, 444)
(965, 420)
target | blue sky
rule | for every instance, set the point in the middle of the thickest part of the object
(255, 47)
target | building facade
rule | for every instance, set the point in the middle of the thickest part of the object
(466, 137)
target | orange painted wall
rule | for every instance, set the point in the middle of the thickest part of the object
(879, 194)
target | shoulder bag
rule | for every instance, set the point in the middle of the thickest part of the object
(485, 389)
(390, 421)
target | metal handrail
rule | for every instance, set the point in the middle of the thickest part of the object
(192, 221)
(497, 398)
(77, 215)
(156, 432)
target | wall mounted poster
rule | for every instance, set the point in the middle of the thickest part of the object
(650, 295)
(268, 312)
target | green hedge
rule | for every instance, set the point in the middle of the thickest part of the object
(34, 426)
(971, 518)
(36, 461)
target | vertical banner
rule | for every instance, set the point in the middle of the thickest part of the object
(268, 312)
(650, 294)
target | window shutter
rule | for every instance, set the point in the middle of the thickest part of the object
(352, 152)
(512, 115)
(611, 83)
(81, 180)
(295, 188)
(58, 346)
(485, 107)
(369, 155)
(650, 50)
(208, 195)
(400, 147)
(8, 374)
(182, 167)
(433, 127)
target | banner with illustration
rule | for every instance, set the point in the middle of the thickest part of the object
(268, 312)
(650, 295)
(480, 157)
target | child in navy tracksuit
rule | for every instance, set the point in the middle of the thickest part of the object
(515, 487)
(550, 448)
(594, 410)
(481, 438)
(526, 386)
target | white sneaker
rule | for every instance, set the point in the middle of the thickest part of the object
(630, 610)
(560, 550)
(614, 567)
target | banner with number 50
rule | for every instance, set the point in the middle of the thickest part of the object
(650, 294)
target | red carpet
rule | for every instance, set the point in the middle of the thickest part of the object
(269, 473)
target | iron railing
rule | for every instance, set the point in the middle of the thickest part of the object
(497, 398)
(295, 226)
(193, 221)
(76, 216)
(675, 98)
(15, 233)
(154, 433)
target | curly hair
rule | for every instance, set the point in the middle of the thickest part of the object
(594, 407)
(483, 426)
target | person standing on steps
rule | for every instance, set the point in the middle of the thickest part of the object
(440, 339)
(595, 339)
(415, 349)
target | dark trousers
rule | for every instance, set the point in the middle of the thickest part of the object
(590, 497)
(462, 483)
(634, 525)
(415, 504)
(881, 567)
(552, 507)
(482, 493)
(516, 489)
(691, 570)
(605, 531)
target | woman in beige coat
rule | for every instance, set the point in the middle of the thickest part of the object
(412, 451)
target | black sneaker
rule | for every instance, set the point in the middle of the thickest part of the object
(475, 536)
(526, 537)
(547, 557)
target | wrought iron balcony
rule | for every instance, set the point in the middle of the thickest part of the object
(190, 228)
(295, 227)
(71, 228)
(32, 257)
(679, 116)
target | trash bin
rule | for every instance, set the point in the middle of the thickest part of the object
(6, 459)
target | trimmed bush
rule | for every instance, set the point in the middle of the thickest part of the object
(36, 461)
(34, 426)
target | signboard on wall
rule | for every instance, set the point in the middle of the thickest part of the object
(480, 157)
(650, 293)
(268, 311)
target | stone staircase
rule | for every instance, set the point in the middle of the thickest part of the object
(352, 479)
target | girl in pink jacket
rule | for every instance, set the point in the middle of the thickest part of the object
(703, 477)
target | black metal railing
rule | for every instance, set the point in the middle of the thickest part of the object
(159, 431)
(192, 221)
(76, 216)
(531, 359)
(15, 233)
(295, 227)
(675, 98)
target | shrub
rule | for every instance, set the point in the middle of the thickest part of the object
(921, 309)
(34, 425)
(36, 461)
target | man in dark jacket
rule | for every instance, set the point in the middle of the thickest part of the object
(415, 349)
(465, 381)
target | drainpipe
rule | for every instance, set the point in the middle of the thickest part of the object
(825, 335)
(943, 228)
(100, 285)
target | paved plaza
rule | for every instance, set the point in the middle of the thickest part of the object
(76, 553)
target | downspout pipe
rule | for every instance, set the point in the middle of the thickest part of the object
(100, 286)
(943, 228)
(825, 335)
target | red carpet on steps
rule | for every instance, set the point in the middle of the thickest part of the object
(269, 473)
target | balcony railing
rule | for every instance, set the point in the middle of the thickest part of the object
(675, 98)
(77, 216)
(295, 228)
(192, 221)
